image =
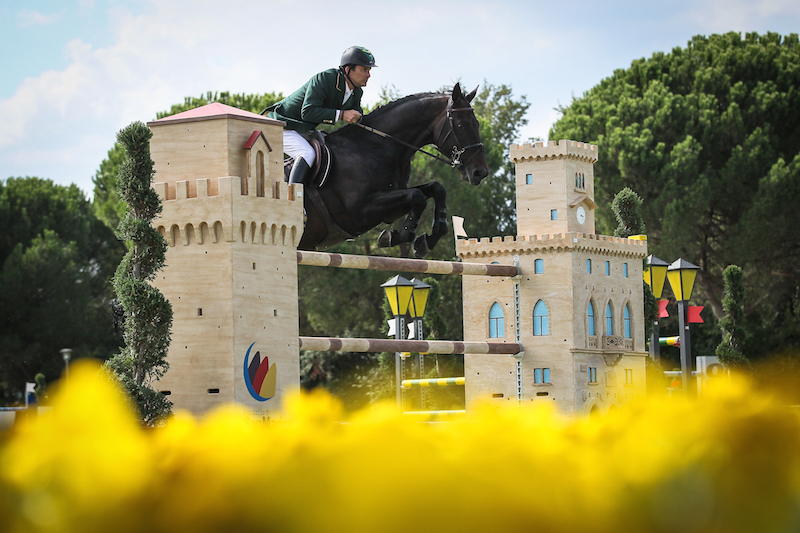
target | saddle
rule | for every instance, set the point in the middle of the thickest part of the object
(321, 168)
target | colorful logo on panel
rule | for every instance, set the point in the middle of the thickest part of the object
(259, 376)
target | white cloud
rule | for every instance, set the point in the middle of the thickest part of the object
(26, 18)
(60, 123)
(720, 16)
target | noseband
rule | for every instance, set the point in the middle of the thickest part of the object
(458, 149)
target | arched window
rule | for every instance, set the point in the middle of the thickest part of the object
(541, 320)
(609, 320)
(496, 321)
(626, 321)
(590, 318)
(538, 266)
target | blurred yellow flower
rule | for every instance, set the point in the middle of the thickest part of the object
(730, 462)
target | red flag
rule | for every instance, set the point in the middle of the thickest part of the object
(694, 314)
(662, 309)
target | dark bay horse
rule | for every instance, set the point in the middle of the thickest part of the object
(368, 181)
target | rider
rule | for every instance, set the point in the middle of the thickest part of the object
(331, 95)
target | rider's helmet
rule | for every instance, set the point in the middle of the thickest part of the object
(357, 55)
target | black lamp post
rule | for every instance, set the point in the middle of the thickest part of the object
(399, 291)
(655, 274)
(419, 301)
(681, 275)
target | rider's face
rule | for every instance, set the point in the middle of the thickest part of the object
(359, 75)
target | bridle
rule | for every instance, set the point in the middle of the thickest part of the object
(455, 157)
(458, 149)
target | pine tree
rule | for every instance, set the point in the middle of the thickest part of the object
(148, 315)
(729, 350)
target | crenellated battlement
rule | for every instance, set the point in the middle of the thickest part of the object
(230, 209)
(228, 186)
(474, 249)
(553, 150)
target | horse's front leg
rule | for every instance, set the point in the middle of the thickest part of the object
(391, 206)
(425, 243)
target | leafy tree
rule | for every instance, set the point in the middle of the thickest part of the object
(55, 261)
(627, 209)
(148, 315)
(255, 103)
(730, 349)
(40, 390)
(708, 135)
(107, 205)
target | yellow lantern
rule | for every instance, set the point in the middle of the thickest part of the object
(419, 298)
(681, 275)
(398, 291)
(655, 273)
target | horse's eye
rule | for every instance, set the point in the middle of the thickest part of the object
(461, 126)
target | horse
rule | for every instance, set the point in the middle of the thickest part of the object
(371, 164)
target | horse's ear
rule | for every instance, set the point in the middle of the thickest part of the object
(457, 92)
(471, 95)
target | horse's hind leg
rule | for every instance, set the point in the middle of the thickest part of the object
(424, 243)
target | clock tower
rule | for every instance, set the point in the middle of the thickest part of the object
(546, 201)
(577, 306)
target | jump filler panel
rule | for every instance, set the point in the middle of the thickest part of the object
(233, 226)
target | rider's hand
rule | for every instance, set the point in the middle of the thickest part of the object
(351, 116)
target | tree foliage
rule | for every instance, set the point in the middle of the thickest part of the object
(55, 261)
(708, 135)
(730, 350)
(627, 210)
(148, 315)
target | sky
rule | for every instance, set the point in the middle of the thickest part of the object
(74, 72)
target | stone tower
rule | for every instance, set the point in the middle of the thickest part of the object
(233, 226)
(577, 308)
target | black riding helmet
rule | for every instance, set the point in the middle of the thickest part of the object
(357, 55)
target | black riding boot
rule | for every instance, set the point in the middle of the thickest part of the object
(299, 171)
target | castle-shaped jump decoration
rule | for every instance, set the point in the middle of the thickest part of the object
(577, 308)
(233, 226)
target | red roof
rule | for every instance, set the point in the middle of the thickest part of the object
(252, 140)
(215, 110)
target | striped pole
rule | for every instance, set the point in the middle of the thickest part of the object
(433, 382)
(336, 344)
(395, 264)
(453, 413)
(669, 341)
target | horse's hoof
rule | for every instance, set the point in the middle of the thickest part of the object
(421, 246)
(385, 238)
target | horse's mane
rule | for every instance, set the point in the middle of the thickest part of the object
(386, 108)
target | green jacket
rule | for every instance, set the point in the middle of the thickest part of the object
(316, 102)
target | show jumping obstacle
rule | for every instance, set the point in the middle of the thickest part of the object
(417, 266)
(435, 382)
(336, 344)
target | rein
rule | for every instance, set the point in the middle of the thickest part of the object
(455, 157)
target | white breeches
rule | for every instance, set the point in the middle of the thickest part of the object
(294, 145)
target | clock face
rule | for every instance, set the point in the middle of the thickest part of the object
(581, 214)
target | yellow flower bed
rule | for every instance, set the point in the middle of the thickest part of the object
(729, 463)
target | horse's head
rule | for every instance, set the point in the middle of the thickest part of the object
(459, 137)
